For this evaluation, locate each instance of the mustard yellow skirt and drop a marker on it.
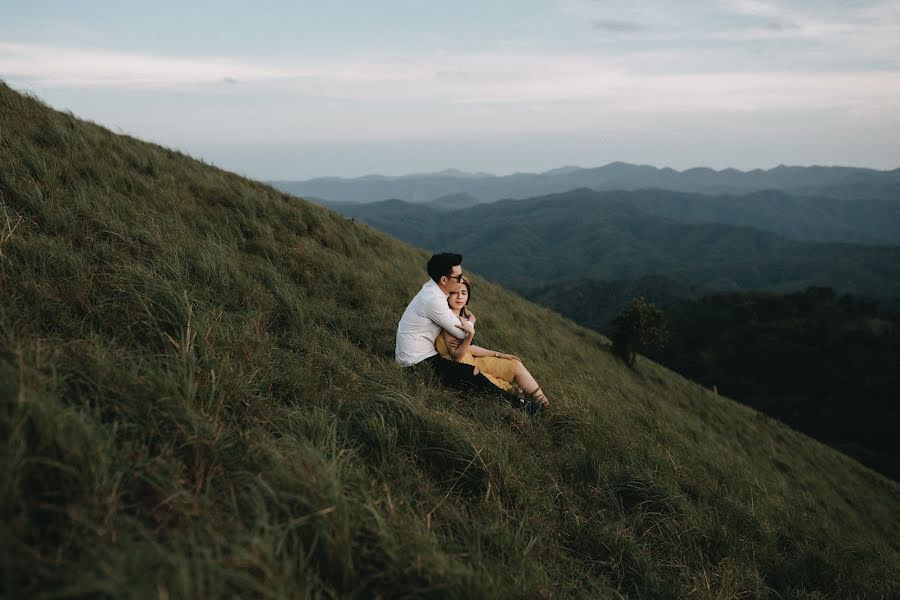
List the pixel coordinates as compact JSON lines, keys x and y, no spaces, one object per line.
{"x":500,"y":371}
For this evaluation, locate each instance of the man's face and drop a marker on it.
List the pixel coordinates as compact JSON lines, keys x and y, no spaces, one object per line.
{"x":452,"y":283}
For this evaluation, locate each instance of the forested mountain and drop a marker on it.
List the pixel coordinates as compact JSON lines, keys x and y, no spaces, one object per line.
{"x":604,"y":235}
{"x":826,"y":364}
{"x":595,"y":302}
{"x":836,"y":182}
{"x":805,"y":218}
{"x":809,"y":218}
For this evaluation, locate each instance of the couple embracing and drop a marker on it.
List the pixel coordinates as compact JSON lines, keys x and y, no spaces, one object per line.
{"x":437,"y":328}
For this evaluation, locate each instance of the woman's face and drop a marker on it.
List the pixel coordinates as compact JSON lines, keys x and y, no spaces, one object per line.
{"x":457,"y":300}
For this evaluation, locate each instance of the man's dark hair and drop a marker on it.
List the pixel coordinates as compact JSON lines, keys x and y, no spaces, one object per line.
{"x":442,"y":264}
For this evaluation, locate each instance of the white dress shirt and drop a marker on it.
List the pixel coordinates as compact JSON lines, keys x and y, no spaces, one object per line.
{"x":421,"y":323}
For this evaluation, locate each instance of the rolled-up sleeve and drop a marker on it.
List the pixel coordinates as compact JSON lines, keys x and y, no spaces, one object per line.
{"x":437,"y":310}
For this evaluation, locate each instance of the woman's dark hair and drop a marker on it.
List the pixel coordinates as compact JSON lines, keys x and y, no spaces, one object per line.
{"x":441,"y":265}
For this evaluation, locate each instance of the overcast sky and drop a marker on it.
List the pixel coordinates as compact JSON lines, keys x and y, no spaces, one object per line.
{"x":286,"y":90}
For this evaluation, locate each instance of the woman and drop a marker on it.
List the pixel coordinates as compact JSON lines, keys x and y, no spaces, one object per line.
{"x":501,"y":369}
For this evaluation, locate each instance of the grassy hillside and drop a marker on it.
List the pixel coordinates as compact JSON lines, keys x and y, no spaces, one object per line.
{"x":198,"y":399}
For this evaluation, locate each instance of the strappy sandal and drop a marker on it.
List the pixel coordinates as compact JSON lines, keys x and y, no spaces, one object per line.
{"x":537,"y":400}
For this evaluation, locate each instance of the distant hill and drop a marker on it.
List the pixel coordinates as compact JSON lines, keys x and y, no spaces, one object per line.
{"x":807,"y":218}
{"x":604,"y":235}
{"x":454,"y":201}
{"x":198,"y":399}
{"x":594,"y":302}
{"x":836,"y":182}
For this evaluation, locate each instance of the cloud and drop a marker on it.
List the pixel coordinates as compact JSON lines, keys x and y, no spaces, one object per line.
{"x":773,"y":16}
{"x":837,"y":31}
{"x":618,"y":26}
{"x":776,"y":25}
{"x":79,"y":67}
{"x":846,"y":27}
{"x":440,"y":92}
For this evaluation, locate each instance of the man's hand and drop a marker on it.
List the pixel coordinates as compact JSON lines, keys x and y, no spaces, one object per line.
{"x":467,"y":326}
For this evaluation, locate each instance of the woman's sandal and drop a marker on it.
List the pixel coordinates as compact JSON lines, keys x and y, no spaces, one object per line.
{"x":537,"y":400}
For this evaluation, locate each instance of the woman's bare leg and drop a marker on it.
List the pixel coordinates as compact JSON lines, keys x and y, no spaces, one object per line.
{"x":529,"y":385}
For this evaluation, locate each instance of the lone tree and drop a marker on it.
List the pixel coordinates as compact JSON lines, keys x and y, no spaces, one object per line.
{"x":638,"y":327}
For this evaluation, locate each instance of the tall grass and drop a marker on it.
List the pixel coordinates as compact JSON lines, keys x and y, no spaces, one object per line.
{"x":198,"y":398}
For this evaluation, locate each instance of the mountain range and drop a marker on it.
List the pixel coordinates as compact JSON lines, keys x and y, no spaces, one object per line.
{"x":834,"y":182}
{"x":608,"y":236}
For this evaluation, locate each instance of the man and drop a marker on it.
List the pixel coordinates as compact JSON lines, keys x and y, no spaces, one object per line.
{"x":427,"y":314}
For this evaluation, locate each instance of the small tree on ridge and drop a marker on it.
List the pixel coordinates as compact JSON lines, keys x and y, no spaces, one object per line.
{"x":638,"y":327}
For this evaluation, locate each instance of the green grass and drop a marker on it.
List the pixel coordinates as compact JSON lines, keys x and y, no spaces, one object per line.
{"x":198,"y":398}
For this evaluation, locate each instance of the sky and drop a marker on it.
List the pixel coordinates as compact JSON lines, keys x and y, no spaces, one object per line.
{"x":296,"y":90}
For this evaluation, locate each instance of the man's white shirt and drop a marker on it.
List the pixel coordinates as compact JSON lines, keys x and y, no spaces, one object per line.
{"x":421,"y":323}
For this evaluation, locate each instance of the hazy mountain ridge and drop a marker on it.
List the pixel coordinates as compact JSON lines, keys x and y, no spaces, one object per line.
{"x":604,"y":235}
{"x":837,"y":182}
{"x":804,"y":218}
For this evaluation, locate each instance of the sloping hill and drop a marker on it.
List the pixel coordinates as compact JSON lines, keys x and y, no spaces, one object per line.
{"x":198,"y":399}
{"x":604,"y":235}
